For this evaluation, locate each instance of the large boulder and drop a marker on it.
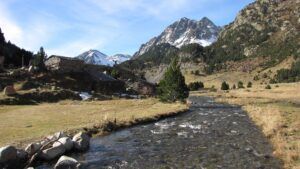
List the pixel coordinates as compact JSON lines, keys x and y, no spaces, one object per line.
{"x":33,"y":148}
{"x":66,"y":162}
{"x":22,"y":155}
{"x":53,"y":137}
{"x":9,"y":90}
{"x":7,"y":154}
{"x":52,"y":153}
{"x":81,"y":141}
{"x":66,"y":142}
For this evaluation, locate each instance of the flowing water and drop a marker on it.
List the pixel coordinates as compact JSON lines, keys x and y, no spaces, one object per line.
{"x":210,"y":135}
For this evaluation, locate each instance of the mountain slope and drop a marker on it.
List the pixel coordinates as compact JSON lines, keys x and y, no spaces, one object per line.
{"x":97,"y":58}
{"x":268,"y":29}
{"x":13,"y":55}
{"x":183,"y":32}
{"x":264,"y":34}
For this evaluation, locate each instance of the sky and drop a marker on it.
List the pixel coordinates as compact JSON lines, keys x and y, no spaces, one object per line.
{"x":70,"y":27}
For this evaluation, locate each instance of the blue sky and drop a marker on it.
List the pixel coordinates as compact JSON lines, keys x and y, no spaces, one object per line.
{"x":70,"y":27}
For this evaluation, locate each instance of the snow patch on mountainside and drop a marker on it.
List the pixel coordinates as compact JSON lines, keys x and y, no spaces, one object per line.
{"x":97,"y":58}
{"x":183,"y":32}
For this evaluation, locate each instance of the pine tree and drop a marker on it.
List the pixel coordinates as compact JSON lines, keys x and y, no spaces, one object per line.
{"x":2,"y":43}
{"x":2,"y":39}
{"x":249,"y":85}
{"x":224,"y":86}
{"x":240,"y":85}
{"x":172,"y":87}
{"x":39,"y":59}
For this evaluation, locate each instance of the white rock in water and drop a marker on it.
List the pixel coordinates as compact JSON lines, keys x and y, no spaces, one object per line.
{"x":66,"y":162}
{"x":7,"y":153}
{"x":52,"y":153}
{"x":66,"y":142}
{"x":81,"y":141}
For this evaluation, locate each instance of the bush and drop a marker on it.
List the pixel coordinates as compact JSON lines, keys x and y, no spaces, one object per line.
{"x":172,"y":87}
{"x":240,"y":85}
{"x":224,"y":86}
{"x":249,"y":85}
{"x":268,"y":87}
{"x":195,"y":86}
{"x":115,"y":73}
{"x":256,"y":78}
{"x":233,"y":87}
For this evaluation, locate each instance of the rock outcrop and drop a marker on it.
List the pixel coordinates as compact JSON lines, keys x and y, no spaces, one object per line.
{"x":66,"y":162}
{"x":81,"y":141}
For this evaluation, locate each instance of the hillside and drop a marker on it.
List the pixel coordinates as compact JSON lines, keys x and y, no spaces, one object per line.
{"x":13,"y":55}
{"x":268,"y":29}
{"x":264,"y":34}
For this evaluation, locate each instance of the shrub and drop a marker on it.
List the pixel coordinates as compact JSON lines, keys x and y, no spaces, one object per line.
{"x":256,"y":78}
{"x":240,"y":85}
{"x":249,"y":85}
{"x":115,"y":73}
{"x":195,"y":86}
{"x":233,"y":87}
{"x":224,"y":86}
{"x":172,"y":87}
{"x":268,"y":87}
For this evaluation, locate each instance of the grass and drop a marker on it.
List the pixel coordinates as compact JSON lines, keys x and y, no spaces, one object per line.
{"x":21,"y":124}
{"x":276,"y":112}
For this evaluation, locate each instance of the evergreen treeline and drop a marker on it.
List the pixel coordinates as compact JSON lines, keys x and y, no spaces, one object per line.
{"x":14,"y":56}
{"x":288,"y":75}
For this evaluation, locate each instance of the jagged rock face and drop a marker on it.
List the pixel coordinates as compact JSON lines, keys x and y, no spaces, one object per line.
{"x":267,"y":28}
{"x":183,"y":32}
{"x":93,"y":57}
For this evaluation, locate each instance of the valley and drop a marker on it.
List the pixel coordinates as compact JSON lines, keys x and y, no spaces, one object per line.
{"x":196,"y":95}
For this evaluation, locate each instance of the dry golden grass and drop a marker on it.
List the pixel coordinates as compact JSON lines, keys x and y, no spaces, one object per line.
{"x":276,"y":112}
{"x":21,"y":123}
{"x":232,"y":77}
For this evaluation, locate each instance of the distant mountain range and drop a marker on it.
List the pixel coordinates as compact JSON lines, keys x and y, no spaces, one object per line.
{"x":97,"y":58}
{"x":183,"y":32}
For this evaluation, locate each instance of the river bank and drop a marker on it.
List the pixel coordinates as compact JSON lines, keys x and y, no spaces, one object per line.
{"x":209,"y":135}
{"x":275,"y":111}
{"x":28,"y":123}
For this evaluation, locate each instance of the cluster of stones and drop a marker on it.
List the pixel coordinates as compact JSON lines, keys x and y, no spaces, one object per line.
{"x":51,"y":148}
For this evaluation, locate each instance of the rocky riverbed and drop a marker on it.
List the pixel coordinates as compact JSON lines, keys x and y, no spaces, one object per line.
{"x":210,"y":135}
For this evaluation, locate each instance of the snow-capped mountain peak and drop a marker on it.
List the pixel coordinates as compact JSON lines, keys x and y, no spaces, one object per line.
{"x":185,"y":31}
{"x":98,"y":58}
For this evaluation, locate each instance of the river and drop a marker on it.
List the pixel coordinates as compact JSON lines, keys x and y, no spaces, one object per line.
{"x":211,"y":135}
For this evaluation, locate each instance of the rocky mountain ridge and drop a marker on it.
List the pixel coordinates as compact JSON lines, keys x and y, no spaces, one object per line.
{"x":98,"y":58}
{"x":183,"y":32}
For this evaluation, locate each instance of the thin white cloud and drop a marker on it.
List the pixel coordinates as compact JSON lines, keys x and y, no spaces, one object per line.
{"x":79,"y":25}
{"x":74,"y":48}
{"x":11,"y":29}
